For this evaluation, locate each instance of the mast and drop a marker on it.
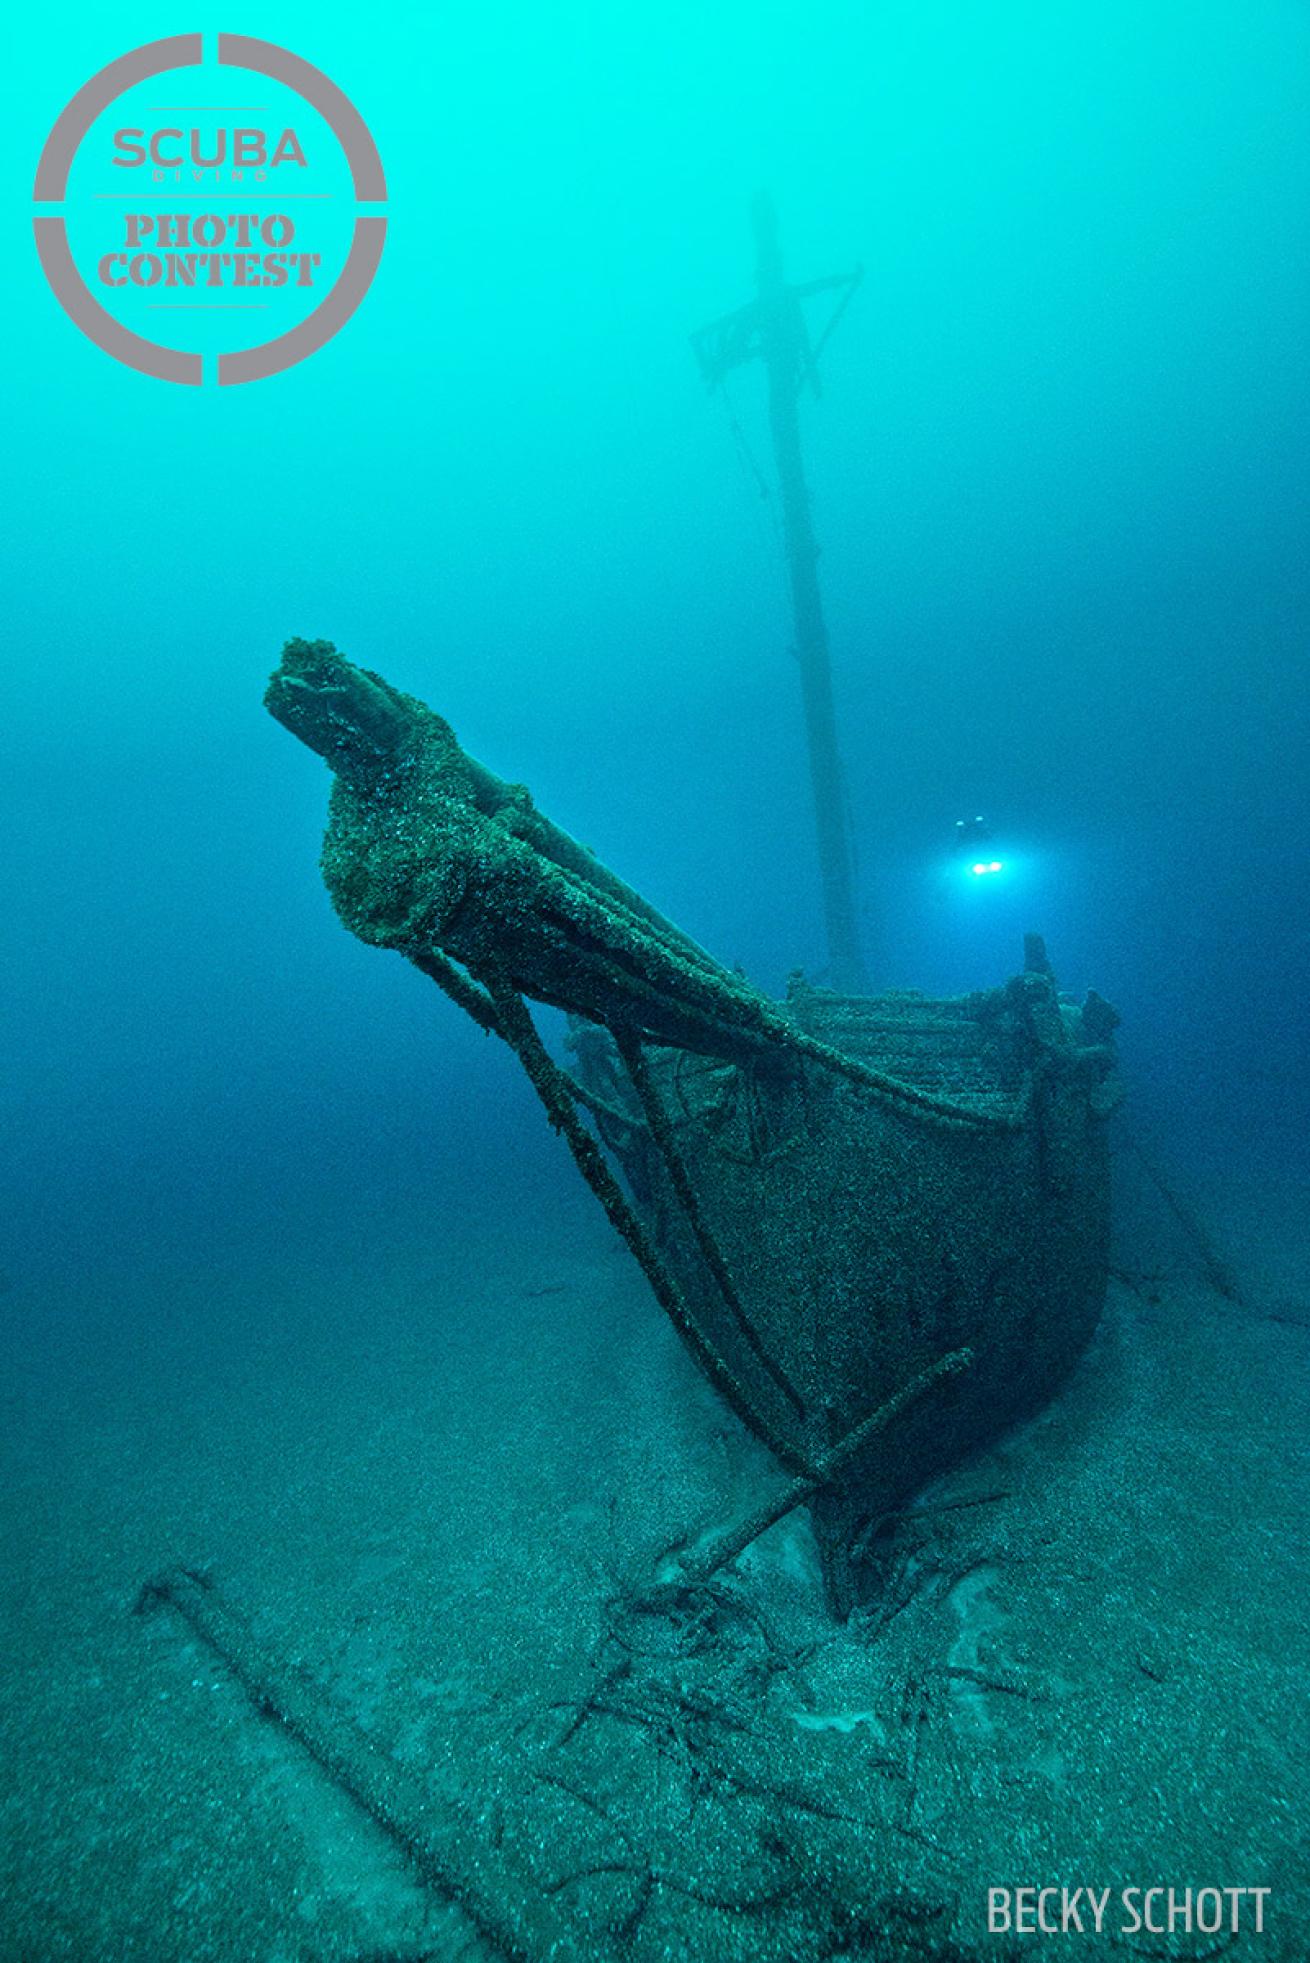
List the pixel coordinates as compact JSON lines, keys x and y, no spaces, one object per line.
{"x":774,"y":328}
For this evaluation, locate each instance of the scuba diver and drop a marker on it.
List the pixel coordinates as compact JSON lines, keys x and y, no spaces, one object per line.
{"x":971,"y":834}
{"x":972,"y":851}
{"x":973,"y":843}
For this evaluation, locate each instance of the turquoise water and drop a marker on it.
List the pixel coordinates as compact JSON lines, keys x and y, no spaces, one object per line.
{"x":1057,"y":473}
{"x":1059,"y":477}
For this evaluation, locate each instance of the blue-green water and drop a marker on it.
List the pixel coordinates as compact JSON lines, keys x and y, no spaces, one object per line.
{"x":1059,"y":473}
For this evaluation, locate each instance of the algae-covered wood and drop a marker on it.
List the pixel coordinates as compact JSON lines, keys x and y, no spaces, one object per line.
{"x":866,"y":1238}
{"x":829,"y":1195}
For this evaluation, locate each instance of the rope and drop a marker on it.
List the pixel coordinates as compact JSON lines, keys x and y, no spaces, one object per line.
{"x":474,"y":1001}
{"x":478,"y":1004}
{"x":546,"y":1078}
{"x":719,"y":1014}
{"x":662,"y":1132}
{"x":731,"y":1017}
{"x":772,"y":1032}
{"x":908,"y":1101}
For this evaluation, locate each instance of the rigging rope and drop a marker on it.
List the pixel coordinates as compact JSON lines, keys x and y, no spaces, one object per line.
{"x":515,"y":1024}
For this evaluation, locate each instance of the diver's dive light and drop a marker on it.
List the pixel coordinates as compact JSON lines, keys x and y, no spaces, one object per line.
{"x":973,"y":831}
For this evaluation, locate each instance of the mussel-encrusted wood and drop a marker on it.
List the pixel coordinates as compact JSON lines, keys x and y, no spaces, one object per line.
{"x":827,"y":1194}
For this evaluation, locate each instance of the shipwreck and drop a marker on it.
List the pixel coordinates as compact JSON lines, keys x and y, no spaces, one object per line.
{"x":879,"y":1222}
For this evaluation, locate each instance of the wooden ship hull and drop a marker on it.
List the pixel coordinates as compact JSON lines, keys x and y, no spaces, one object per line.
{"x":841,"y":1240}
{"x":880,"y":1223}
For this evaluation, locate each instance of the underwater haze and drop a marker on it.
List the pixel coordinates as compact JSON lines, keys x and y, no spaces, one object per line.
{"x":1058,"y":472}
{"x":1059,"y":478}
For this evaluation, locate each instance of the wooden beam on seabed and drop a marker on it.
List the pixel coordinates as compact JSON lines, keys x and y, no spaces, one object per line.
{"x":392,"y":1797}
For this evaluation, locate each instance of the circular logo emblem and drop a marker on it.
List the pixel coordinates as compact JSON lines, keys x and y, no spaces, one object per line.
{"x":210,"y":213}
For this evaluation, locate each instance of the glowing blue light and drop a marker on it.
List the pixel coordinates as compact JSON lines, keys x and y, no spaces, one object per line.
{"x":986,"y":865}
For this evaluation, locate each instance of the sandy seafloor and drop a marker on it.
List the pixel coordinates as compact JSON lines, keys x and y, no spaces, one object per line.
{"x":421,"y":1471}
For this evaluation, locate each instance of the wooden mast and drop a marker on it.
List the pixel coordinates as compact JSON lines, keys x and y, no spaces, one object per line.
{"x":774,"y":328}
